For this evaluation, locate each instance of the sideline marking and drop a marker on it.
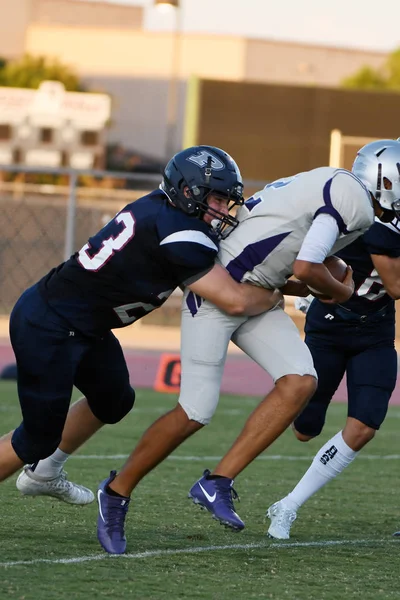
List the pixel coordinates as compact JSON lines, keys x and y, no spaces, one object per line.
{"x":195,"y":550}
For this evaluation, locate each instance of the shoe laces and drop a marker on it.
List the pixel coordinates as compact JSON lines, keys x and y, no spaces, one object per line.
{"x":228,"y":493}
{"x":285,"y":516}
{"x":116,"y":514}
{"x":61,"y":481}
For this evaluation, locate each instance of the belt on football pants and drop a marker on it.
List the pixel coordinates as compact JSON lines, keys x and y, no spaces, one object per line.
{"x":348,"y":315}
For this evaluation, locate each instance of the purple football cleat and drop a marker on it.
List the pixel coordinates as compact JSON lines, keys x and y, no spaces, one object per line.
{"x":111,"y":519}
{"x":216,"y":495}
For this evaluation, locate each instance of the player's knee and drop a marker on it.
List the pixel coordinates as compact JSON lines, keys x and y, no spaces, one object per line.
{"x":112,"y":410}
{"x":301,"y":436}
{"x":299,"y":388}
{"x":196,"y":414}
{"x":32,"y":448}
{"x":307,"y":386}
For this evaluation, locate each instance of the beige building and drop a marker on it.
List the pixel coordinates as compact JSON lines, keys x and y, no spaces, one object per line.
{"x":110,"y":49}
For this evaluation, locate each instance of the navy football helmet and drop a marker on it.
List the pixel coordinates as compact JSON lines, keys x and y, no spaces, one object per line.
{"x":203,"y":170}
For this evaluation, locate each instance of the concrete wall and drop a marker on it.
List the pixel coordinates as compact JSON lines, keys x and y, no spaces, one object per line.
{"x":86,"y":14}
{"x":129,"y":52}
{"x":284,"y":62}
{"x":15,"y":17}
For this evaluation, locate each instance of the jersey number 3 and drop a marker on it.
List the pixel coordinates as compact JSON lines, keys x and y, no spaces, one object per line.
{"x":127,"y":313}
{"x":110,"y":245}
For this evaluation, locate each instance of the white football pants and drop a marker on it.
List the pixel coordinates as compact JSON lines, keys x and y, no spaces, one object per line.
{"x":271,"y":339}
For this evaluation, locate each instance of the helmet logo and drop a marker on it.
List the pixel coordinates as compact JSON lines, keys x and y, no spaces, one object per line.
{"x":202,"y":158}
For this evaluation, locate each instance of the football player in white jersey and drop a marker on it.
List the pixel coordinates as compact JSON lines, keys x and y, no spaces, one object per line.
{"x":288,"y":228}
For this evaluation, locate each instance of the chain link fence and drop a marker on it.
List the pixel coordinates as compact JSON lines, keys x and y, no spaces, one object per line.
{"x":44,"y":224}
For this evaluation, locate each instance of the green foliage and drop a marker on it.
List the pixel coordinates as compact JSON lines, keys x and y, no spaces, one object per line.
{"x":385,"y":78}
{"x":29,"y":72}
{"x":393,"y":69}
{"x":366,"y":78}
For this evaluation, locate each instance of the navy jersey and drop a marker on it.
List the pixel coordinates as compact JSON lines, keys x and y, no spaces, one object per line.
{"x":369,"y":294}
{"x":131,"y":266}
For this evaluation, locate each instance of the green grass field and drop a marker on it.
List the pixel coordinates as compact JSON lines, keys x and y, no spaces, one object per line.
{"x":341,"y":547}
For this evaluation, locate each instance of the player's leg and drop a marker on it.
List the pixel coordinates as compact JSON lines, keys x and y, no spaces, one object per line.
{"x":373,"y":387}
{"x":273,"y":341}
{"x":10,"y":462}
{"x":80,"y":425}
{"x":46,"y":359}
{"x":371,"y":379}
{"x":103,"y":377}
{"x":330,"y":364}
{"x":204,"y":343}
{"x":51,"y":479}
{"x":369,"y":391}
{"x":96,"y":376}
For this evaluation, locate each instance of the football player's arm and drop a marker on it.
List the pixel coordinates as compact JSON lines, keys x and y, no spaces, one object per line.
{"x":234,"y":298}
{"x":309,"y":267}
{"x":295,"y":287}
{"x":389,"y":271}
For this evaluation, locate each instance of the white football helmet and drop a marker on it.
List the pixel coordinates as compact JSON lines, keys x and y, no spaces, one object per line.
{"x":378,"y":166}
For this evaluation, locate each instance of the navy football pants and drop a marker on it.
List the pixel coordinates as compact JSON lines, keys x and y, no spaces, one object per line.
{"x":365,"y":352}
{"x":51,"y":359}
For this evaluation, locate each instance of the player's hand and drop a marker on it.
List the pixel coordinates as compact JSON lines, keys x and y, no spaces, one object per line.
{"x":348,"y":280}
{"x":349,"y":283}
{"x":277,"y":299}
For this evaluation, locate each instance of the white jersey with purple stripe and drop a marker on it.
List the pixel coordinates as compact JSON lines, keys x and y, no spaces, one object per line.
{"x":274,"y":222}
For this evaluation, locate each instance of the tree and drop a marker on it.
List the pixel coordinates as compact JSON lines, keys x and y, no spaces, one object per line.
{"x":385,"y":78}
{"x":393,"y":68}
{"x":29,"y":72}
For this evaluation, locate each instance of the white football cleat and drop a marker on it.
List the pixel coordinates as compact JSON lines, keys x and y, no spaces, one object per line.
{"x":30,"y":484}
{"x":281,"y":521}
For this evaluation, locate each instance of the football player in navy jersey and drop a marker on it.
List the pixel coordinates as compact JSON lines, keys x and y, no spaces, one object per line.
{"x":355,"y":338}
{"x":60,"y":328}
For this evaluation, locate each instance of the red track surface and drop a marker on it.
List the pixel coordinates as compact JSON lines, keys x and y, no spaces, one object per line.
{"x":242,"y":376}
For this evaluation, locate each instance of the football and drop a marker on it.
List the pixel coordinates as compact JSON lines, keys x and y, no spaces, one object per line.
{"x":337,"y":268}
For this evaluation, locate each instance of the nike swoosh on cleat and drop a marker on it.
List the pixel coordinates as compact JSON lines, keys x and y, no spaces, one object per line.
{"x":207,"y":495}
{"x":99,"y":493}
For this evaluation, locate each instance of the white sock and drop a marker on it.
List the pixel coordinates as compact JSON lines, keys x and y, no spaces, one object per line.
{"x":330,"y":460}
{"x":52,"y":466}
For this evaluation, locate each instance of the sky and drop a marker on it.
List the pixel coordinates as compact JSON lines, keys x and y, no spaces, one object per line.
{"x":365,"y":24}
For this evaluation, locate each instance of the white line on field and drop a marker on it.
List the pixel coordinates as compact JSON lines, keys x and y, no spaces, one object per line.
{"x":231,"y":412}
{"x":210,"y":458}
{"x":196,"y":550}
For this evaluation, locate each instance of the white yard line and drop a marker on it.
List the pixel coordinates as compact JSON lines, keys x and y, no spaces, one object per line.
{"x":229,"y":412}
{"x":210,"y":458}
{"x":196,"y":550}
